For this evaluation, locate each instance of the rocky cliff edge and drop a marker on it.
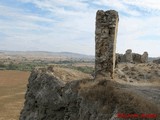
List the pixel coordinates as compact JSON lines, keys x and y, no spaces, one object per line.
{"x":50,"y":97}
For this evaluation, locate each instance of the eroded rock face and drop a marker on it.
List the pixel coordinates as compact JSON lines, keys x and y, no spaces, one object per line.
{"x":44,"y":92}
{"x":50,"y":98}
{"x":106,"y":33}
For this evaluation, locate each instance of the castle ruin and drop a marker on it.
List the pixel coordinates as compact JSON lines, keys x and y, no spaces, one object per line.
{"x":130,"y":57}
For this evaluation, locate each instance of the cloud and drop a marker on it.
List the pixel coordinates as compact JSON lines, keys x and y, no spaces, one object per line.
{"x":119,"y":6}
{"x":62,"y":25}
{"x":152,"y":6}
{"x":25,"y":31}
{"x":138,"y":35}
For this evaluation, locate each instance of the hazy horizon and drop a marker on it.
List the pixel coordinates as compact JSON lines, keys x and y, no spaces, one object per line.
{"x":65,"y":52}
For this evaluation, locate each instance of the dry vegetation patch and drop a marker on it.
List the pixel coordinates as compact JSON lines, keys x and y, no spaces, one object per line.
{"x":67,"y":74}
{"x":110,"y":96}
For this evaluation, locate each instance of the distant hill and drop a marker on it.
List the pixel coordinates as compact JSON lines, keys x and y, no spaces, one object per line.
{"x":153,"y":58}
{"x":46,"y":54}
{"x":39,"y":54}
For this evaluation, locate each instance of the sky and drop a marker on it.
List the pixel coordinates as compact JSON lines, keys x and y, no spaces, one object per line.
{"x":69,"y":25}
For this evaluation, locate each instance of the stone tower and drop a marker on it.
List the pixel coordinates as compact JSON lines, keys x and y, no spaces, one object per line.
{"x":128,"y":56}
{"x":105,"y":38}
{"x":144,"y":57}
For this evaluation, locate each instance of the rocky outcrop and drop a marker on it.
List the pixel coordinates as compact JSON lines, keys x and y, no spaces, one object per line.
{"x":106,"y":33}
{"x":48,"y":98}
{"x":51,"y":98}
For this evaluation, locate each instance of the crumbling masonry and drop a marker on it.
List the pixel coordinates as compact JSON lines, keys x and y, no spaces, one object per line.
{"x":130,"y":57}
{"x":105,"y":38}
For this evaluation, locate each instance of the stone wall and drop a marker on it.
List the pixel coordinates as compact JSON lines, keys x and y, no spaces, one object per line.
{"x":105,"y":38}
{"x":132,"y":57}
{"x":136,"y":57}
{"x":144,"y":57}
{"x":128,"y":56}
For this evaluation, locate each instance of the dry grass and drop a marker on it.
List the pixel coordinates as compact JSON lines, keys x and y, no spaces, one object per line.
{"x":110,"y":96}
{"x":12,"y":90}
{"x":67,"y":74}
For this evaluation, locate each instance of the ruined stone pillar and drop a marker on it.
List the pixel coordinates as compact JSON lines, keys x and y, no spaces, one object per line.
{"x":144,"y":57}
{"x":105,"y":38}
{"x":128,"y":56}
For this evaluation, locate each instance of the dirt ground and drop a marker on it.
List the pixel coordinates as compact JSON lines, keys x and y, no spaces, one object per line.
{"x":12,"y":90}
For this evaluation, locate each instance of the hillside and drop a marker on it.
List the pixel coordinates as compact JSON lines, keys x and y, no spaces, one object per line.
{"x":44,"y":55}
{"x":49,"y":96}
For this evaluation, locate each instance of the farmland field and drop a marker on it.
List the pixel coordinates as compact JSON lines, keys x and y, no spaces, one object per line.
{"x":12,"y":89}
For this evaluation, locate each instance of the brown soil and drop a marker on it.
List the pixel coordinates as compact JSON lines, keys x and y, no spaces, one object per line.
{"x":12,"y":90}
